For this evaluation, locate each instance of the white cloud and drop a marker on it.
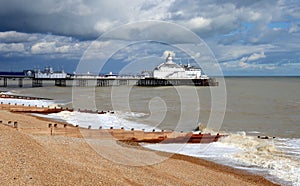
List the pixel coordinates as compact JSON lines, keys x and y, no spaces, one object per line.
{"x":159,"y":10}
{"x":13,"y":36}
{"x":167,"y":53}
{"x":43,"y":48}
{"x":256,"y":56}
{"x":198,"y":23}
{"x":238,"y":51}
{"x":295,"y":27}
{"x":243,"y":64}
{"x":103,"y":26}
{"x":57,"y":45}
{"x":12,"y":47}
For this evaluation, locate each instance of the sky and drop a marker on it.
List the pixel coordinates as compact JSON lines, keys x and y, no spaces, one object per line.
{"x":246,"y":37}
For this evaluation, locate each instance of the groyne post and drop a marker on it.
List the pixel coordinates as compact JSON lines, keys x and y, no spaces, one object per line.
{"x":15,"y":124}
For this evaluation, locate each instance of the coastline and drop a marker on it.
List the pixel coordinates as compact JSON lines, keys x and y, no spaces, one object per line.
{"x":30,"y":155}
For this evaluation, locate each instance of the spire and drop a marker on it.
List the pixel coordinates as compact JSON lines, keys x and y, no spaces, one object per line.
{"x":188,"y":63}
{"x":169,"y":58}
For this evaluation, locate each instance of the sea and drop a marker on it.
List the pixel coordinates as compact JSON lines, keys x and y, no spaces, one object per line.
{"x":254,"y":107}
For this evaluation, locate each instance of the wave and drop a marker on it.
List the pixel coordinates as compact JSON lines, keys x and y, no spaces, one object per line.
{"x":25,"y":102}
{"x":269,"y":155}
{"x":279,"y":158}
{"x":105,"y":121}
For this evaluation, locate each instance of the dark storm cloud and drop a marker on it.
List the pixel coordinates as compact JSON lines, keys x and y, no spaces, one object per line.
{"x":43,"y":17}
{"x":235,"y":30}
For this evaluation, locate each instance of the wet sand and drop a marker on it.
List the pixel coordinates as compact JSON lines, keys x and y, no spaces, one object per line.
{"x":30,"y":155}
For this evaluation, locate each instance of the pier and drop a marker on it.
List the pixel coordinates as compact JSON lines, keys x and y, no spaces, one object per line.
{"x":62,"y":79}
{"x":177,"y":82}
{"x":4,"y":76}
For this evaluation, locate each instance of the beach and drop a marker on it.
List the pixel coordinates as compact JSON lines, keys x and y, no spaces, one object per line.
{"x":30,"y":155}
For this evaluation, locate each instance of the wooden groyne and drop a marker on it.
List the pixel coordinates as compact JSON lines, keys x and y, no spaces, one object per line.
{"x":46,"y":110}
{"x":12,"y":96}
{"x":121,"y":134}
{"x":128,"y":136}
{"x":30,"y":108}
{"x":142,"y":136}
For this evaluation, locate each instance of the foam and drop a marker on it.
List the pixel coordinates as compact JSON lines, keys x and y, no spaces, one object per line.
{"x":116,"y":120}
{"x":279,"y":157}
{"x":247,"y":152}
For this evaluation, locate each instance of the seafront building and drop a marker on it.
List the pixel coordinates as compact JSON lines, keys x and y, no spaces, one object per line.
{"x":172,"y":70}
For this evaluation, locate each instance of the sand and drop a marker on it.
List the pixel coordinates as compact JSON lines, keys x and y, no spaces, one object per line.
{"x":31,"y":156}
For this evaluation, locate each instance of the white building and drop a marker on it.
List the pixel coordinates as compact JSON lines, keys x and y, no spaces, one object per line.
{"x":48,"y":73}
{"x":171,"y":70}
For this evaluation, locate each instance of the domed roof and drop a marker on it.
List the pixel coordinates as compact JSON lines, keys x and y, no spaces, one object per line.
{"x":168,"y":64}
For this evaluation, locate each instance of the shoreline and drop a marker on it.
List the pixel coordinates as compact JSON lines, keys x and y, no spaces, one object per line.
{"x":179,"y":169}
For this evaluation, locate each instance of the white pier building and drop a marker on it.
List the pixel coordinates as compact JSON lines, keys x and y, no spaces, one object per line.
{"x":171,"y":70}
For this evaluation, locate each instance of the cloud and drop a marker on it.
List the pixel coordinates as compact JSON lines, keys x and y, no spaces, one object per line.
{"x":244,"y":62}
{"x":103,"y":26}
{"x":12,"y":47}
{"x":16,"y":37}
{"x":43,"y":48}
{"x":242,"y":65}
{"x":167,"y":53}
{"x":238,"y":32}
{"x":294,"y":28}
{"x":198,"y":23}
{"x":256,"y":56}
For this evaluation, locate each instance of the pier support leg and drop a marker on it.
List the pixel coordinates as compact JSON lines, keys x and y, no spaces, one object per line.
{"x":37,"y":83}
{"x":82,"y":83}
{"x":5,"y":82}
{"x":60,"y":82}
{"x":20,"y":82}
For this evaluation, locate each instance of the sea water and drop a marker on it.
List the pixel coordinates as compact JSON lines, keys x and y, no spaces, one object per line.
{"x":256,"y":106}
